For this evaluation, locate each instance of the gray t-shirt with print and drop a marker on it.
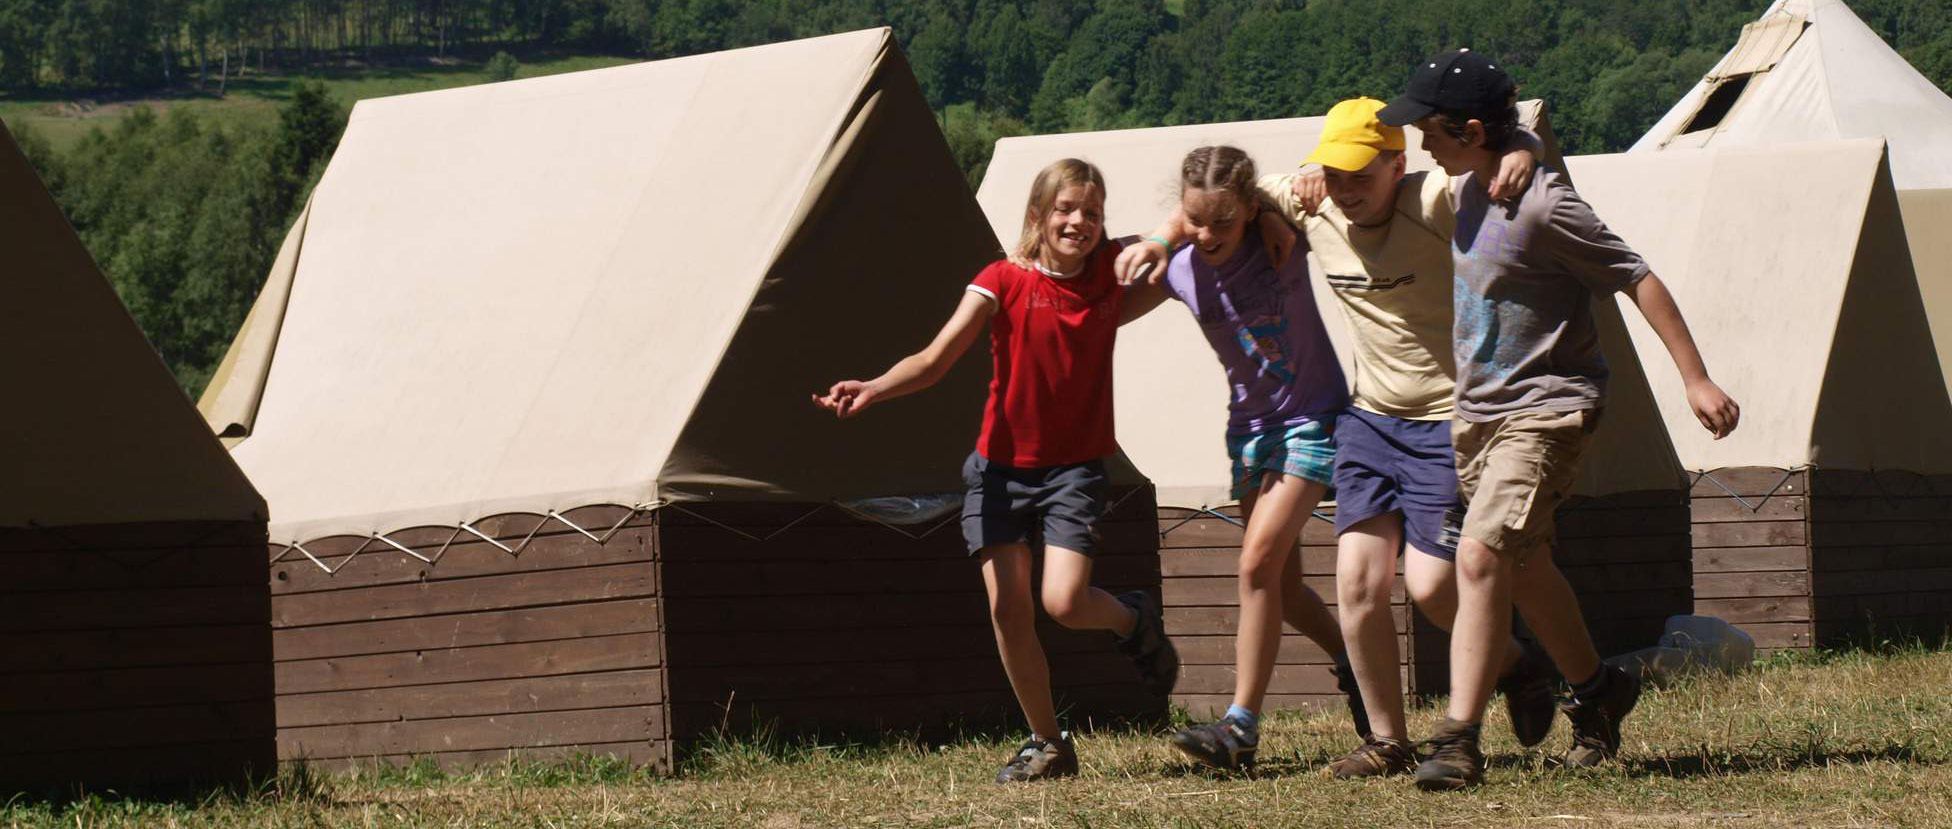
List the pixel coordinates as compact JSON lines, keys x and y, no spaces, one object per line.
{"x":1527,"y":275}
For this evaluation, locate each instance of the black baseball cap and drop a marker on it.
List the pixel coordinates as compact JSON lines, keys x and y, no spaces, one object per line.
{"x":1456,"y":81}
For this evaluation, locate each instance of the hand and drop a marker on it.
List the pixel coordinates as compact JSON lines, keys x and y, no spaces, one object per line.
{"x":1514,"y":174}
{"x":1141,"y":260}
{"x":1717,"y":411}
{"x":1278,"y":236}
{"x":1311,"y":189}
{"x":847,"y":398}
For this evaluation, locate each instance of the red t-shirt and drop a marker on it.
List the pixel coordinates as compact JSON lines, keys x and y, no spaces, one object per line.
{"x":1051,"y":340}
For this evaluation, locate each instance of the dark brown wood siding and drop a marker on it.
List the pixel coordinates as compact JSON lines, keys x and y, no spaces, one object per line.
{"x":805,"y":618}
{"x":136,"y":653}
{"x":1199,"y":558}
{"x":478,"y":656}
{"x":1880,"y":555}
{"x":1752,"y":555}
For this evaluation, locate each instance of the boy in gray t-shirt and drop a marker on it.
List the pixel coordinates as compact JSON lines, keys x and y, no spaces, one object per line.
{"x":1531,"y":383}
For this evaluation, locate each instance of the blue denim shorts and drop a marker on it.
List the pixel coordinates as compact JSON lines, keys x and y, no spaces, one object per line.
{"x":1388,"y":464}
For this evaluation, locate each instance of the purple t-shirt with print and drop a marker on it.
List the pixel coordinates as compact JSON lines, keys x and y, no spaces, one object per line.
{"x":1263,"y":325}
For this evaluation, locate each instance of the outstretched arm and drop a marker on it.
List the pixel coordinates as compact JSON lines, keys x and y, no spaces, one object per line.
{"x":1717,"y":411}
{"x":917,"y":371}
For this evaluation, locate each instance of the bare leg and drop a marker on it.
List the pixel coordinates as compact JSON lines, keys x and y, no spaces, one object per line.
{"x":1013,"y":614}
{"x":1432,"y":583}
{"x":1071,"y":600}
{"x":1274,"y":523}
{"x":1365,"y":566}
{"x":1552,"y":612}
{"x":1482,"y":627}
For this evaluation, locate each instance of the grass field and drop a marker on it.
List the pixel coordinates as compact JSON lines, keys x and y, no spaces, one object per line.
{"x":253,"y":99}
{"x":1846,"y":739}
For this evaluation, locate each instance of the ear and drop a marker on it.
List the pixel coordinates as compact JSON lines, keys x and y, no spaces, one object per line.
{"x":1474,"y":133}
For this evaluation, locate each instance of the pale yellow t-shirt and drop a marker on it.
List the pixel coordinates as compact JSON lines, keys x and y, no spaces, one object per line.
{"x":1394,"y":283}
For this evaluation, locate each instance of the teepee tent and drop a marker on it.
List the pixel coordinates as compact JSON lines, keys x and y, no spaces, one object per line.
{"x":1171,"y":400}
{"x":137,"y":649}
{"x":1810,"y":70}
{"x":1825,"y":510}
{"x":530,"y":408}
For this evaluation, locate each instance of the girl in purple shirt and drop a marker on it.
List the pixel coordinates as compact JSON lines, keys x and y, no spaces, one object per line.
{"x":1287,"y":388}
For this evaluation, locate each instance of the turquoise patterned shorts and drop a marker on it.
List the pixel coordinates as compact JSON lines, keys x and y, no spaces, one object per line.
{"x":1306,"y":451}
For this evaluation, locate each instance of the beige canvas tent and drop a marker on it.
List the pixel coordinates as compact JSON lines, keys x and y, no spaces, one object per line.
{"x":129,"y":542}
{"x":1810,"y":70}
{"x":540,"y":379}
{"x":1824,"y":510}
{"x":1171,"y":400}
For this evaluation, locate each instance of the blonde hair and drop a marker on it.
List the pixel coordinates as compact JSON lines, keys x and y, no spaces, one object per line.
{"x":1050,"y":181}
{"x":1221,"y":168}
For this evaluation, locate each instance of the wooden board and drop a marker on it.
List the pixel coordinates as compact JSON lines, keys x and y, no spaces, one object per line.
{"x":128,"y":647}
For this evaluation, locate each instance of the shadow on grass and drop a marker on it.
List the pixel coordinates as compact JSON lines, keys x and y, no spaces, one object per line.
{"x":1718,"y":763}
{"x":291,"y":783}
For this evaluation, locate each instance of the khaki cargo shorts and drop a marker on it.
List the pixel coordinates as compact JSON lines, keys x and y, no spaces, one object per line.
{"x":1513,"y":472}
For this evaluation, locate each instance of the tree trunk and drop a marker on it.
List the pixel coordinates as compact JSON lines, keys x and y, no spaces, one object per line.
{"x":223,"y":80}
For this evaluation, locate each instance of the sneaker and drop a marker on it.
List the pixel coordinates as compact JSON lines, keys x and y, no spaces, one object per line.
{"x":1345,"y":681}
{"x":1528,"y":695}
{"x":1041,"y":759}
{"x":1453,"y":761}
{"x":1596,"y":722}
{"x":1223,"y":744}
{"x":1376,"y":757}
{"x":1148,"y":647}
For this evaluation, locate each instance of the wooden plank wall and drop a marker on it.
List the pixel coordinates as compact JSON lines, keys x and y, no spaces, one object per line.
{"x":1626,"y":556}
{"x":1199,"y":554}
{"x":1752,"y":555}
{"x":477,"y":657}
{"x":135,"y":654}
{"x":1880,"y":555}
{"x":829,"y":624}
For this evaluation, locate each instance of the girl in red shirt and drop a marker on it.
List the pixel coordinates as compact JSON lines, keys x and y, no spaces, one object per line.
{"x":1038,"y":472}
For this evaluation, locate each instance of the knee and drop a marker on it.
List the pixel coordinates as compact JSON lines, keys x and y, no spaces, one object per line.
{"x":1010,"y":611}
{"x":1363,"y":588}
{"x":1477,"y":563}
{"x":1066,"y":607}
{"x":1262,"y":564}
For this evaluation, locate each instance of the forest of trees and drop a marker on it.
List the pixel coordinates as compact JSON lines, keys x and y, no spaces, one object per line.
{"x":185,"y":216}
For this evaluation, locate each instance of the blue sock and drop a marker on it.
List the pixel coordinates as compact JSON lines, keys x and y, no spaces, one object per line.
{"x":1247,"y":719}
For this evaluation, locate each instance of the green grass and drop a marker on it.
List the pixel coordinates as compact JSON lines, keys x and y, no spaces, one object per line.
{"x":1850,"y":739}
{"x":253,"y":99}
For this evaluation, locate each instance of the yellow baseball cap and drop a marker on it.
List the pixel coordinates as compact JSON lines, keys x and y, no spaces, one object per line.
{"x":1353,"y":137}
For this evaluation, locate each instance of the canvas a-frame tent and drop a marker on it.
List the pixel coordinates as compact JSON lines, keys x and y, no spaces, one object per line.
{"x":135,"y":623}
{"x":1624,"y":542}
{"x":1823,"y":516}
{"x":535,"y":427}
{"x":1810,"y":70}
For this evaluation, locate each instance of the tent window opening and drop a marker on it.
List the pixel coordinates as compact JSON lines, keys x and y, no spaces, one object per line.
{"x":1719,"y":102}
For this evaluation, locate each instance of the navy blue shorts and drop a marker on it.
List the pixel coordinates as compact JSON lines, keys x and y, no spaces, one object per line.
{"x":1057,"y":505}
{"x":1387,"y":464}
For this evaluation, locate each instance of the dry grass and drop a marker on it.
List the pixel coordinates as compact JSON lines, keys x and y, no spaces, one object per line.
{"x":1839,"y":740}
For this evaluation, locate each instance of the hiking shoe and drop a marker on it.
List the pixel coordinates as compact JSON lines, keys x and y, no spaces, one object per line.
{"x":1596,"y":722}
{"x":1041,"y":759}
{"x":1453,"y":761}
{"x":1223,"y":744}
{"x":1148,"y":647}
{"x":1528,"y":695}
{"x":1345,"y":681}
{"x":1376,"y":757}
